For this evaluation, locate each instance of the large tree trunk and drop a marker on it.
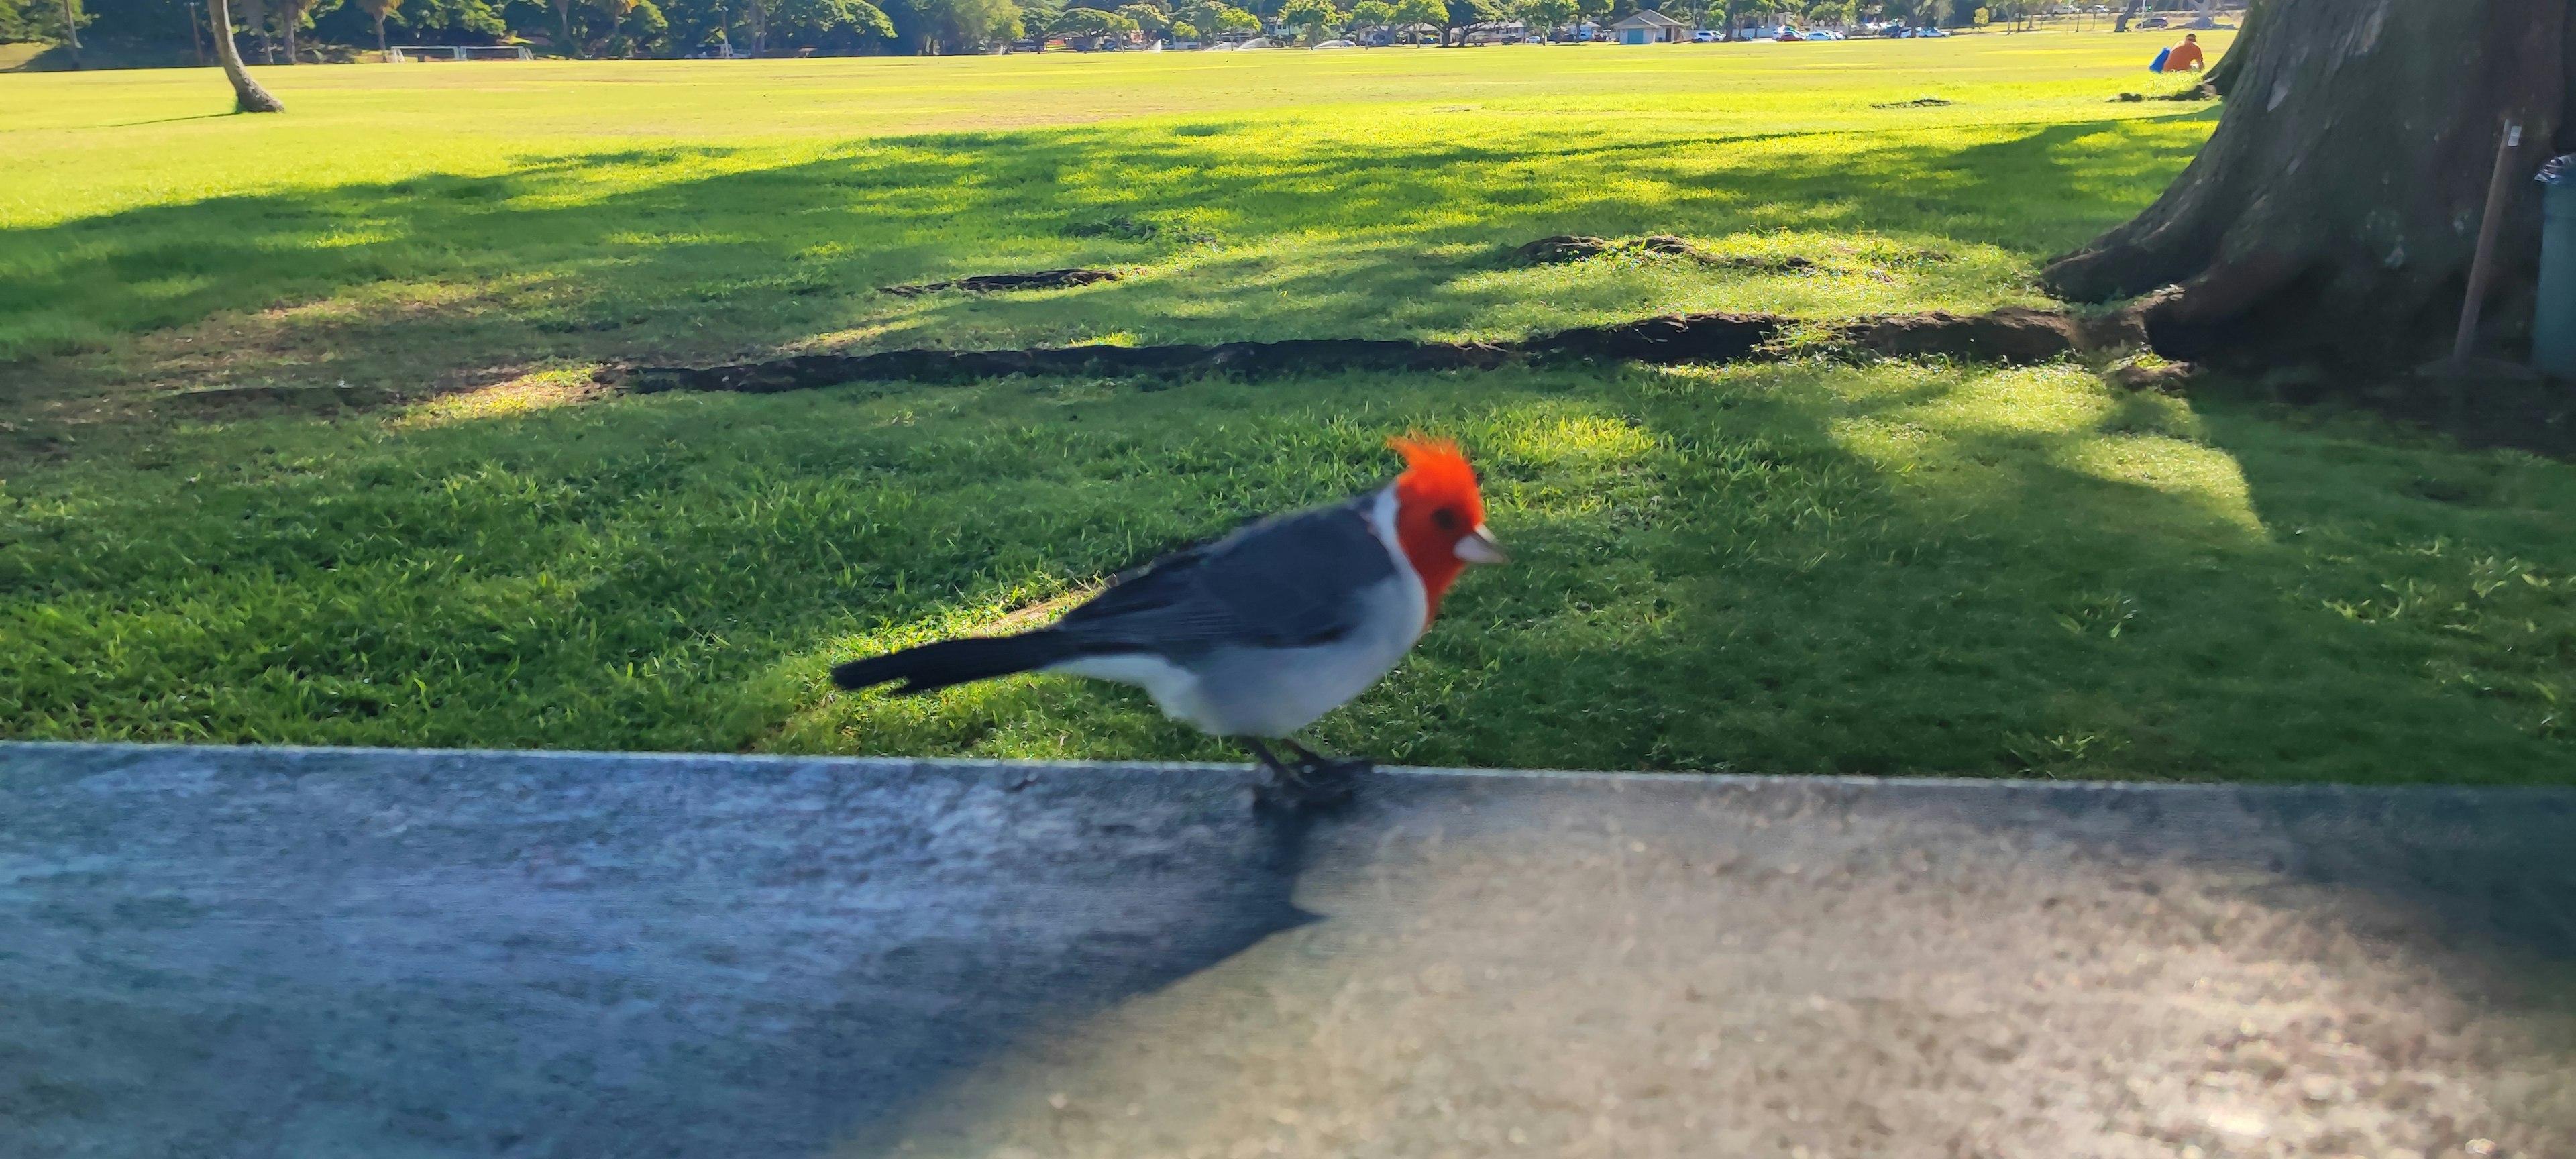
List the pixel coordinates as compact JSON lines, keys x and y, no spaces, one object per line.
{"x":2337,"y":206}
{"x":248,"y":97}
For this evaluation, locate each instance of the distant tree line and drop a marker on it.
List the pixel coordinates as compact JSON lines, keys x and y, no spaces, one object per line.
{"x":304,"y":31}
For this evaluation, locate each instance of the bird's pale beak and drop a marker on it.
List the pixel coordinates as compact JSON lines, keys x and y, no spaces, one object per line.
{"x":1479,"y":547}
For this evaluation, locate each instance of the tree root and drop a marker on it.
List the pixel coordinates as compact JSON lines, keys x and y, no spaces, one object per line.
{"x":2012,"y":334}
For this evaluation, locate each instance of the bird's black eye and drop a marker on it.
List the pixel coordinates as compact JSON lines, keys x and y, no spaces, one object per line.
{"x":1447,"y":518}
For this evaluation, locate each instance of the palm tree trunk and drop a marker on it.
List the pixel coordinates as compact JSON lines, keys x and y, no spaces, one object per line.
{"x":248,"y":97}
{"x":563,"y":12}
{"x":71,"y":33}
{"x":380,"y":34}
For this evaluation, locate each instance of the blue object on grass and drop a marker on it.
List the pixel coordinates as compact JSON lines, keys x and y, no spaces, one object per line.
{"x":2553,"y":322}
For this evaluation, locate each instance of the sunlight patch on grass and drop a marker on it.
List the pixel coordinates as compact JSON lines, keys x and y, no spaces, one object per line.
{"x":1584,"y":441}
{"x":526,"y":394}
{"x":2176,"y":467}
{"x":2060,"y":399}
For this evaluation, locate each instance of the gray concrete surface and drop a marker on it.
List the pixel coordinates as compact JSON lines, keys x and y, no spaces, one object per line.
{"x":272,"y":952}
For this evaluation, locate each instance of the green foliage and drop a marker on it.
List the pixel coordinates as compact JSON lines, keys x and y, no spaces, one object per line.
{"x":799,"y":22}
{"x":953,"y":26}
{"x":1091,"y":22}
{"x":30,"y":20}
{"x":1411,"y":12}
{"x":476,"y":16}
{"x":1372,"y":14}
{"x":1467,"y":13}
{"x":1897,"y":567}
{"x":379,"y":9}
{"x":1310,"y":19}
{"x":1152,"y":19}
{"x":1209,"y":19}
{"x":1308,"y":13}
{"x":1547,"y":15}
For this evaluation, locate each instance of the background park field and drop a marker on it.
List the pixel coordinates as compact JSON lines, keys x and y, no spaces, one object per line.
{"x":299,"y":442}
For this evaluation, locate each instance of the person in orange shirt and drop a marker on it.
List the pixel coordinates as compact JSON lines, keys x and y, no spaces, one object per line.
{"x":2186,"y":55}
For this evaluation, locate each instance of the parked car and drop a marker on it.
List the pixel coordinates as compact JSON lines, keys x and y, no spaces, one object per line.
{"x":1707,"y":36}
{"x":1788,"y":34}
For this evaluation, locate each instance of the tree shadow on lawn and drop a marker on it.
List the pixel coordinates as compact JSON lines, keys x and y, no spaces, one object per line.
{"x":1801,"y":568}
{"x":1995,"y":599}
{"x":410,"y":285}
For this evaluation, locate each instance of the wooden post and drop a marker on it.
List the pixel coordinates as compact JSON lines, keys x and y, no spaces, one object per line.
{"x":2482,"y":266}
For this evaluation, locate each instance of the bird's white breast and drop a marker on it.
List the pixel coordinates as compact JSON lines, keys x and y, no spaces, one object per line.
{"x":1249,"y":691}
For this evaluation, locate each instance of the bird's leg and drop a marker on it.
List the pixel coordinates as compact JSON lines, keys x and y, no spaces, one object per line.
{"x":1323,"y":768}
{"x":1287,"y":785}
{"x":1298,"y":786}
{"x":1280,"y":773}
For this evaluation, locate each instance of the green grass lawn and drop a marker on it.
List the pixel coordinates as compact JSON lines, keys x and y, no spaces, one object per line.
{"x":1891,"y":568}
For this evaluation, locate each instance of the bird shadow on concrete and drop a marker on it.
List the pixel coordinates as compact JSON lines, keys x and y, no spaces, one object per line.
{"x":349,"y":952}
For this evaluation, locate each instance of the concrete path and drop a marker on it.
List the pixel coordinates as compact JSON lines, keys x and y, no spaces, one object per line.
{"x":268,"y":952}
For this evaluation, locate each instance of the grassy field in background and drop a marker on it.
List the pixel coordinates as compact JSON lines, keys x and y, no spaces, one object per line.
{"x":1890,"y":568}
{"x":400,"y":217}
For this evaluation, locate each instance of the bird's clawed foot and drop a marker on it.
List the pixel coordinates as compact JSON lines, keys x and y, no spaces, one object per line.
{"x":1313,"y":781}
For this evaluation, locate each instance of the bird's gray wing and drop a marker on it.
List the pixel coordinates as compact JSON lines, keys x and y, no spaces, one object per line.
{"x":1288,"y":582}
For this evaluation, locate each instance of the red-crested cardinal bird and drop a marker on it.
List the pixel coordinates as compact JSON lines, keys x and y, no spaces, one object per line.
{"x":1257,"y":634}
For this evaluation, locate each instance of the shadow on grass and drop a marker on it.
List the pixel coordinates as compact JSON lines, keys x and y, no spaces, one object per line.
{"x":648,"y":254}
{"x":1802,"y":569}
{"x":1994,"y":601}
{"x":1897,"y":569}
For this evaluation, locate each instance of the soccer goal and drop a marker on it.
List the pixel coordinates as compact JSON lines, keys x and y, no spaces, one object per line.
{"x":412,"y":53}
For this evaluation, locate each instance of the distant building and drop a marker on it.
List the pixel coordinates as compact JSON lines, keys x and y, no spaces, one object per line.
{"x":1650,"y":27}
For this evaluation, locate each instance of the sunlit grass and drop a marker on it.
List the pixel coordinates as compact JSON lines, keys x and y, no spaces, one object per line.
{"x":1899,"y":567}
{"x":693,"y":208}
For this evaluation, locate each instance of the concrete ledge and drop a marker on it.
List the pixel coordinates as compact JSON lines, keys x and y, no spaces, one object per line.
{"x":257,"y":951}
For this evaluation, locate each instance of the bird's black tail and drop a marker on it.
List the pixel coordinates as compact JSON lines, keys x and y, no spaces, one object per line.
{"x":931,"y":667}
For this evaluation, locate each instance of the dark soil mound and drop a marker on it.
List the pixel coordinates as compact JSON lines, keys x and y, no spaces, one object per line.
{"x":1247,"y":359}
{"x":990,"y":283}
{"x":1575,"y":247}
{"x":1568,"y":247}
{"x":2011,"y":334}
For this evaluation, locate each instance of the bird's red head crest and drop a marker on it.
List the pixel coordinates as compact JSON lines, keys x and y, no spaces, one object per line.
{"x":1439,"y":515}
